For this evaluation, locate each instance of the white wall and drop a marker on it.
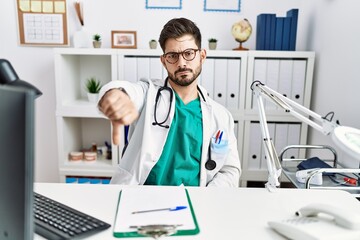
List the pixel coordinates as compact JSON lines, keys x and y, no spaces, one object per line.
{"x":325,"y":26}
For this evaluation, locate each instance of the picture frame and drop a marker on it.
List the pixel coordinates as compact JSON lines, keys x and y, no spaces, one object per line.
{"x":123,"y":39}
{"x":164,"y":4}
{"x":222,"y":5}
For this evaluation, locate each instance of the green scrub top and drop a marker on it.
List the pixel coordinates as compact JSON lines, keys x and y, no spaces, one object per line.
{"x":180,"y":160}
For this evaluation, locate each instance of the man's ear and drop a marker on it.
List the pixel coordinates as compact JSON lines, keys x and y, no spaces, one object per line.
{"x":203,"y":55}
{"x":162,"y":59}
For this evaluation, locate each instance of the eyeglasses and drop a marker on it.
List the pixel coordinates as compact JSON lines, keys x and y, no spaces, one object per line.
{"x":189,"y":55}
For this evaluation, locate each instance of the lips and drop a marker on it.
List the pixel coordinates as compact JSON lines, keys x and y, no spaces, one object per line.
{"x":183,"y":71}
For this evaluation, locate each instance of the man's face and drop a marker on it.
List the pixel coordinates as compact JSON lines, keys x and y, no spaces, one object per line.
{"x":183,"y":72}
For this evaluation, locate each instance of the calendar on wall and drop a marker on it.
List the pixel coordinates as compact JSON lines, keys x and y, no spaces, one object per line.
{"x":42,"y":22}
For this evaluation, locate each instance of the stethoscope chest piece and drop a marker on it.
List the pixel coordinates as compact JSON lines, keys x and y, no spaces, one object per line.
{"x":210,"y":164}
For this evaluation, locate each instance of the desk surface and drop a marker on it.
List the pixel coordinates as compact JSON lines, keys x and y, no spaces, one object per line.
{"x":222,"y":213}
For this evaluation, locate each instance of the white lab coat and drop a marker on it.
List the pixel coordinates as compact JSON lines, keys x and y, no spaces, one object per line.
{"x":146,"y":141}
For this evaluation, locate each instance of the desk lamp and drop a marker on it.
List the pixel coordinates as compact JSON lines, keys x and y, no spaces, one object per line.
{"x":8,"y":76}
{"x":346,"y":138}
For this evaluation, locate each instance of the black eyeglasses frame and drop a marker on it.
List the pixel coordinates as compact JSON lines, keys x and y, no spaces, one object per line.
{"x":182,"y":54}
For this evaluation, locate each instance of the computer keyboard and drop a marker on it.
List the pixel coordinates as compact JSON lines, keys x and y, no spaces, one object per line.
{"x":54,"y":220}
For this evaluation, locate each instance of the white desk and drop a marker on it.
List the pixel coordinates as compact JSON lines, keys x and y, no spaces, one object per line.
{"x":222,"y":213}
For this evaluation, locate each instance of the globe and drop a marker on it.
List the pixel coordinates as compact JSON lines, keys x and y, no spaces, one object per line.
{"x":241,"y":31}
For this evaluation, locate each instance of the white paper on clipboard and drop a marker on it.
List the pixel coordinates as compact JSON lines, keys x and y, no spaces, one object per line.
{"x":134,"y":199}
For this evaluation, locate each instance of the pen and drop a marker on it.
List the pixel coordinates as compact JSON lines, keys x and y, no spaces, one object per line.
{"x":217,"y":136}
{"x":161,"y":209}
{"x":220,"y":136}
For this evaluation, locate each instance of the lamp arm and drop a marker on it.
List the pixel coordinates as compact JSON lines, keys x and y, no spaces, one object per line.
{"x":272,"y":160}
{"x":306,"y":115}
{"x":322,"y":124}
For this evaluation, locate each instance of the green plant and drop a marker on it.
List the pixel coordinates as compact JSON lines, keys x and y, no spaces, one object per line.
{"x":93,"y":85}
{"x":212,"y":40}
{"x":97,"y":37}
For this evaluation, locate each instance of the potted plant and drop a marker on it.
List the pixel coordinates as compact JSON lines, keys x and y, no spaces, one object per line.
{"x":97,"y":41}
{"x":153,"y":44}
{"x":212,"y":43}
{"x":93,"y":86}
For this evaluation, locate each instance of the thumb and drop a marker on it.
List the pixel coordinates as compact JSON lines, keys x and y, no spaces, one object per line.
{"x":116,"y":132}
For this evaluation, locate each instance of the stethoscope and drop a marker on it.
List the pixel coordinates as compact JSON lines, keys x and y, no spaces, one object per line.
{"x":210,"y":164}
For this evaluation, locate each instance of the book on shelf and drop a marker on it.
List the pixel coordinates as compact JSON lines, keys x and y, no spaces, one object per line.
{"x":272,"y":19}
{"x":293,"y":14}
{"x":279,"y":33}
{"x":286,"y":34}
{"x":260,"y":31}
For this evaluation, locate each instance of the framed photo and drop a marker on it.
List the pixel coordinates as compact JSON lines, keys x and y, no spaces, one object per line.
{"x":222,"y":5}
{"x":123,"y":39}
{"x":163,"y":4}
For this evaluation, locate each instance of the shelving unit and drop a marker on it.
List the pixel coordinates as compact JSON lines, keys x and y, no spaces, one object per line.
{"x":79,"y":123}
{"x":227,"y":76}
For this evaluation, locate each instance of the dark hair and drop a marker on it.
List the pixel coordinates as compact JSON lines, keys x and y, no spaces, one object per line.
{"x":178,"y":27}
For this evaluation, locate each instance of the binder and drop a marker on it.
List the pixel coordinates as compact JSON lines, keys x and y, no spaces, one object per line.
{"x":286,"y":34}
{"x":207,"y":76}
{"x":285,"y":77}
{"x":156,"y":68}
{"x":255,"y":147}
{"x":263,"y":162}
{"x":293,"y":14}
{"x":260,"y":69}
{"x":145,"y":198}
{"x":130,"y":67}
{"x":281,"y":136}
{"x":294,"y":131}
{"x":270,"y":27}
{"x":143,"y":67}
{"x":260,"y":31}
{"x":233,"y":84}
{"x":272,"y":19}
{"x":279,"y":33}
{"x":272,"y":78}
{"x":298,"y":81}
{"x":220,"y":81}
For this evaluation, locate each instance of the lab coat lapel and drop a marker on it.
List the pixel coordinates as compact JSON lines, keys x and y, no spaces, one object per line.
{"x":207,"y":113}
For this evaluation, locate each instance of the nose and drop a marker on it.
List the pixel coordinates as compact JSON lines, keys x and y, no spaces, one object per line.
{"x":182,"y":61}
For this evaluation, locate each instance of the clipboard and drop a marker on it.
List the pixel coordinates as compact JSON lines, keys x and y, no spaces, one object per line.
{"x":145,"y":198}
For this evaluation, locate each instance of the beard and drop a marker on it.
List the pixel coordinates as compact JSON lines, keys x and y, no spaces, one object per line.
{"x":184,"y":76}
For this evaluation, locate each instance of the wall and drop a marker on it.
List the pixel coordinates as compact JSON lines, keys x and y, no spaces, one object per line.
{"x":335,"y":38}
{"x":335,"y":83}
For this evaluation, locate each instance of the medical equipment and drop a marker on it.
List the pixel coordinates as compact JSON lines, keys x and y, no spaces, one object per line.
{"x":210,"y":164}
{"x":158,"y":94}
{"x":347,"y":138}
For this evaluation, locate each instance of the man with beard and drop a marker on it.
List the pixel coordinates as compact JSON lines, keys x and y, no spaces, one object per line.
{"x":177,"y":135}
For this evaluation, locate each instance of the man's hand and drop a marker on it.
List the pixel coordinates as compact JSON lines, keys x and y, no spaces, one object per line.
{"x":119,"y":108}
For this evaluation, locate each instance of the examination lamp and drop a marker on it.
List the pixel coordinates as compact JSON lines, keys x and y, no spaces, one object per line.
{"x":8,"y":76}
{"x":346,"y":138}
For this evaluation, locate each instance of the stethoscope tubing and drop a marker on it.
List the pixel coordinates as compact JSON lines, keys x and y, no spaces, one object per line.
{"x":210,"y":164}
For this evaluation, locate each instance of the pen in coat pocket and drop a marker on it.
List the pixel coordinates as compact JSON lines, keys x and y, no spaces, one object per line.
{"x":218,"y":136}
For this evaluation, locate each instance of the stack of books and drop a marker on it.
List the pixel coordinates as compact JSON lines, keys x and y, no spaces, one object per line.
{"x":277,"y":33}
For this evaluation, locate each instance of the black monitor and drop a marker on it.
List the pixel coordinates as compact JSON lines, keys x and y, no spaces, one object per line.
{"x":16,"y":162}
